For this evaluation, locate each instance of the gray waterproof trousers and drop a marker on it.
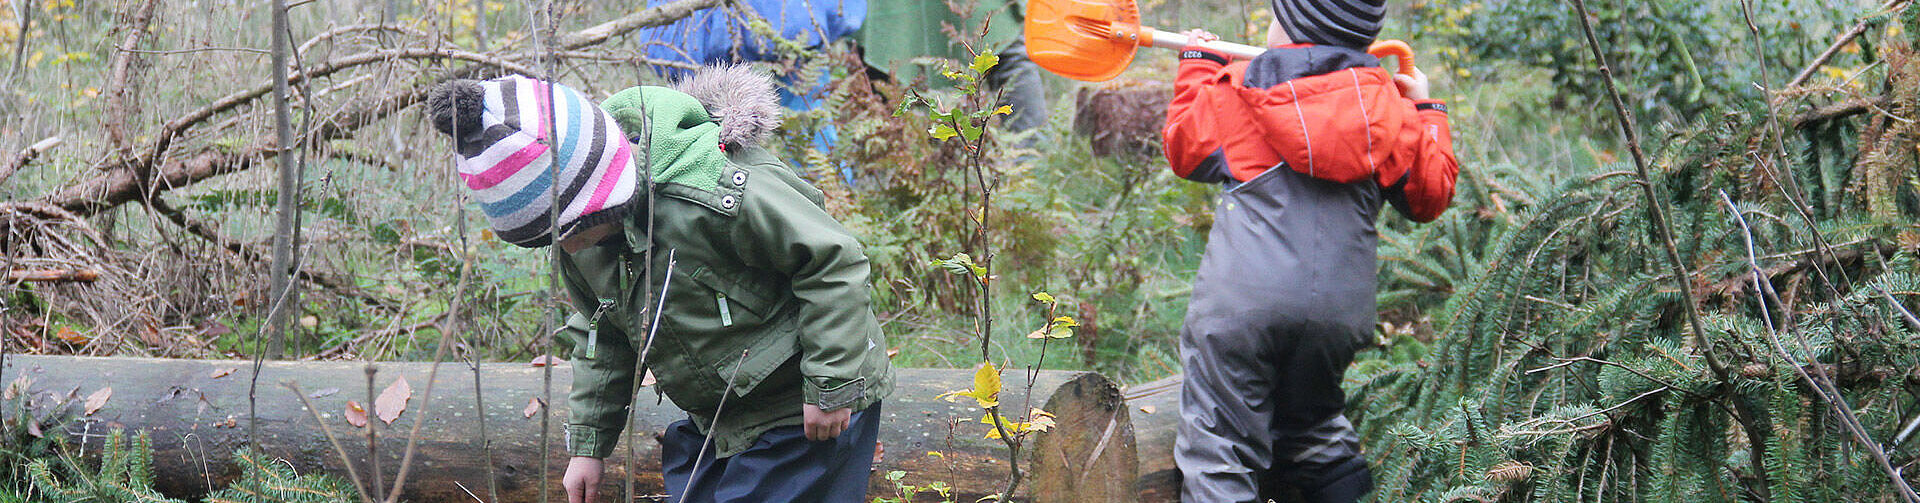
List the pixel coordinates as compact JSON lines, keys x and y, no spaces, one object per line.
{"x":1283,"y":298}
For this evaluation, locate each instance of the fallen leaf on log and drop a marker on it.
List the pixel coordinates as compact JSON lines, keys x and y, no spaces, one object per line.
{"x":533,"y":407}
{"x":16,"y":388}
{"x":97,"y":400}
{"x":219,"y":373}
{"x":356,"y":415}
{"x":71,"y":337}
{"x":393,"y":401}
{"x":1146,"y":409}
{"x":323,"y":393}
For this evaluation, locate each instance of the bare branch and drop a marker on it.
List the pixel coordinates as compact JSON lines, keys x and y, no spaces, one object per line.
{"x":53,"y":275}
{"x":119,"y":84}
{"x":1656,"y":206}
{"x":1845,"y":40}
{"x":654,"y":16}
{"x":251,"y":253}
{"x":1821,"y":383}
{"x":27,"y":156}
{"x":352,"y":474}
{"x":118,"y":186}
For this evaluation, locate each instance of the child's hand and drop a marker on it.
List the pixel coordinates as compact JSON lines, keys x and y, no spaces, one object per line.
{"x":1413,"y":87}
{"x":1198,"y":36}
{"x":582,"y":479}
{"x":824,"y":425}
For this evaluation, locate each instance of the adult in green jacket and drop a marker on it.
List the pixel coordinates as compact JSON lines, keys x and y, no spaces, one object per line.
{"x":900,"y":35}
{"x":766,"y":336}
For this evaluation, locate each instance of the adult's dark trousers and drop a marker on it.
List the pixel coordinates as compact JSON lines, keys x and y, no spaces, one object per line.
{"x":781,"y":466}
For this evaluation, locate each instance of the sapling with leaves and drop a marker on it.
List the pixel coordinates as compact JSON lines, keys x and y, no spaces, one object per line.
{"x":968,"y":119}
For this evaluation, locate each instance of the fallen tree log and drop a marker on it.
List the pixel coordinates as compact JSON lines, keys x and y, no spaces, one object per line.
{"x":1156,"y":419}
{"x":196,"y":414}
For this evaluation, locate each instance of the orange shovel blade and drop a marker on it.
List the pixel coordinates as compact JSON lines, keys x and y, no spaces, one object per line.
{"x":1090,"y":40}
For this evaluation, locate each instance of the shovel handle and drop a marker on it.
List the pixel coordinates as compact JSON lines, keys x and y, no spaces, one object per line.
{"x":1395,"y":48}
{"x":1170,"y":40}
{"x":1177,"y":41}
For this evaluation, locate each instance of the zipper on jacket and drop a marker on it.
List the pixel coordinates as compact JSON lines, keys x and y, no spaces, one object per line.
{"x":593,"y":328}
{"x":726,"y":315}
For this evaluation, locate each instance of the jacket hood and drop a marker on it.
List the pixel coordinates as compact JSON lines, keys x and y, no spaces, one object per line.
{"x":693,"y":123}
{"x":1345,"y":126}
{"x":743,"y":100}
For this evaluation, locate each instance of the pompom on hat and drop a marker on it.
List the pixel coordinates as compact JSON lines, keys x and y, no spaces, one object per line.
{"x":507,"y":162}
{"x":1346,"y":23}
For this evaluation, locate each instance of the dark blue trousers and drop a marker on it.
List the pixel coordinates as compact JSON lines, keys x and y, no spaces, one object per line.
{"x":781,"y":466}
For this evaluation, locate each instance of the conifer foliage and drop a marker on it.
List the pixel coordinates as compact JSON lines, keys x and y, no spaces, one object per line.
{"x":1564,"y":368}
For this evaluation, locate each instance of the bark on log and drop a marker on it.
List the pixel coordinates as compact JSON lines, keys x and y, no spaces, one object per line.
{"x":1156,"y":418}
{"x":196,"y":413}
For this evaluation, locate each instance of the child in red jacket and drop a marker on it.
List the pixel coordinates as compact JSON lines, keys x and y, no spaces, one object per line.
{"x":1310,"y":138}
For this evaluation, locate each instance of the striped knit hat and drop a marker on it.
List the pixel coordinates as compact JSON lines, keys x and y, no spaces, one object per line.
{"x":500,"y":131}
{"x":1347,"y":23}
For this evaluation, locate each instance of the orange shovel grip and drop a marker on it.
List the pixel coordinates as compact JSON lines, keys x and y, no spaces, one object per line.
{"x":1395,"y":48}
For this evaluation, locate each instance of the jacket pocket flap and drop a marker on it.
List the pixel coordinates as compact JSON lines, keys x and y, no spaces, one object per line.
{"x":746,"y":292}
{"x":762,"y":359}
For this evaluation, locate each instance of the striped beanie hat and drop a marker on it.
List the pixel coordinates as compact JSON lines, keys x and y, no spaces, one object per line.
{"x":507,"y":161}
{"x":1346,"y":23}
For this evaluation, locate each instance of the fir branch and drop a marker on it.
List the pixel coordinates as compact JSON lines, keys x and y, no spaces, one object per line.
{"x":1655,"y":205}
{"x":1822,"y":385}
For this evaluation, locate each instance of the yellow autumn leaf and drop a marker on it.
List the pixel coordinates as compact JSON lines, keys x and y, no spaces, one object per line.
{"x":986,"y":387}
{"x":1037,"y":420}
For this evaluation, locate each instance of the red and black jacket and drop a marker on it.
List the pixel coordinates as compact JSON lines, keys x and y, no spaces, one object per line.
{"x":1325,"y":111}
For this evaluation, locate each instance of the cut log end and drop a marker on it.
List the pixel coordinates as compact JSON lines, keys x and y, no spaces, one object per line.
{"x":1090,"y":447}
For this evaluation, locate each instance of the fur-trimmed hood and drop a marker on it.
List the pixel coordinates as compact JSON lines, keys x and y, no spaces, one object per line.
{"x":743,"y":100}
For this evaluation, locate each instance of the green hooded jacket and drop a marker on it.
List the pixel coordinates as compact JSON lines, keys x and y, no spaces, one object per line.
{"x":768,"y":298}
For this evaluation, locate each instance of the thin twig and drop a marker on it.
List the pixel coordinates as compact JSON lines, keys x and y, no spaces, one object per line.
{"x":1839,"y":44}
{"x":373,"y":438}
{"x":707,"y":440}
{"x":1822,"y":386}
{"x":194,"y":50}
{"x":433,"y":373}
{"x":119,"y":84}
{"x":640,"y":364}
{"x":27,"y":156}
{"x":1656,"y":206}
{"x":1570,"y":361}
{"x":352,"y":474}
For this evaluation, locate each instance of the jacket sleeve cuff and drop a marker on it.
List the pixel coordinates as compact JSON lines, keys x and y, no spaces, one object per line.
{"x":1196,"y":54}
{"x":835,"y":394}
{"x":1436,"y":105}
{"x":589,"y":441}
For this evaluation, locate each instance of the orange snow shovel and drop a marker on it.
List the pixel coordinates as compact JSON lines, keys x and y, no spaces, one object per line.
{"x":1094,"y":40}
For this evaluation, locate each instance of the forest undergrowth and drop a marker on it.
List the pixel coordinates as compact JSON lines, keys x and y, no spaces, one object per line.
{"x":1534,"y":344}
